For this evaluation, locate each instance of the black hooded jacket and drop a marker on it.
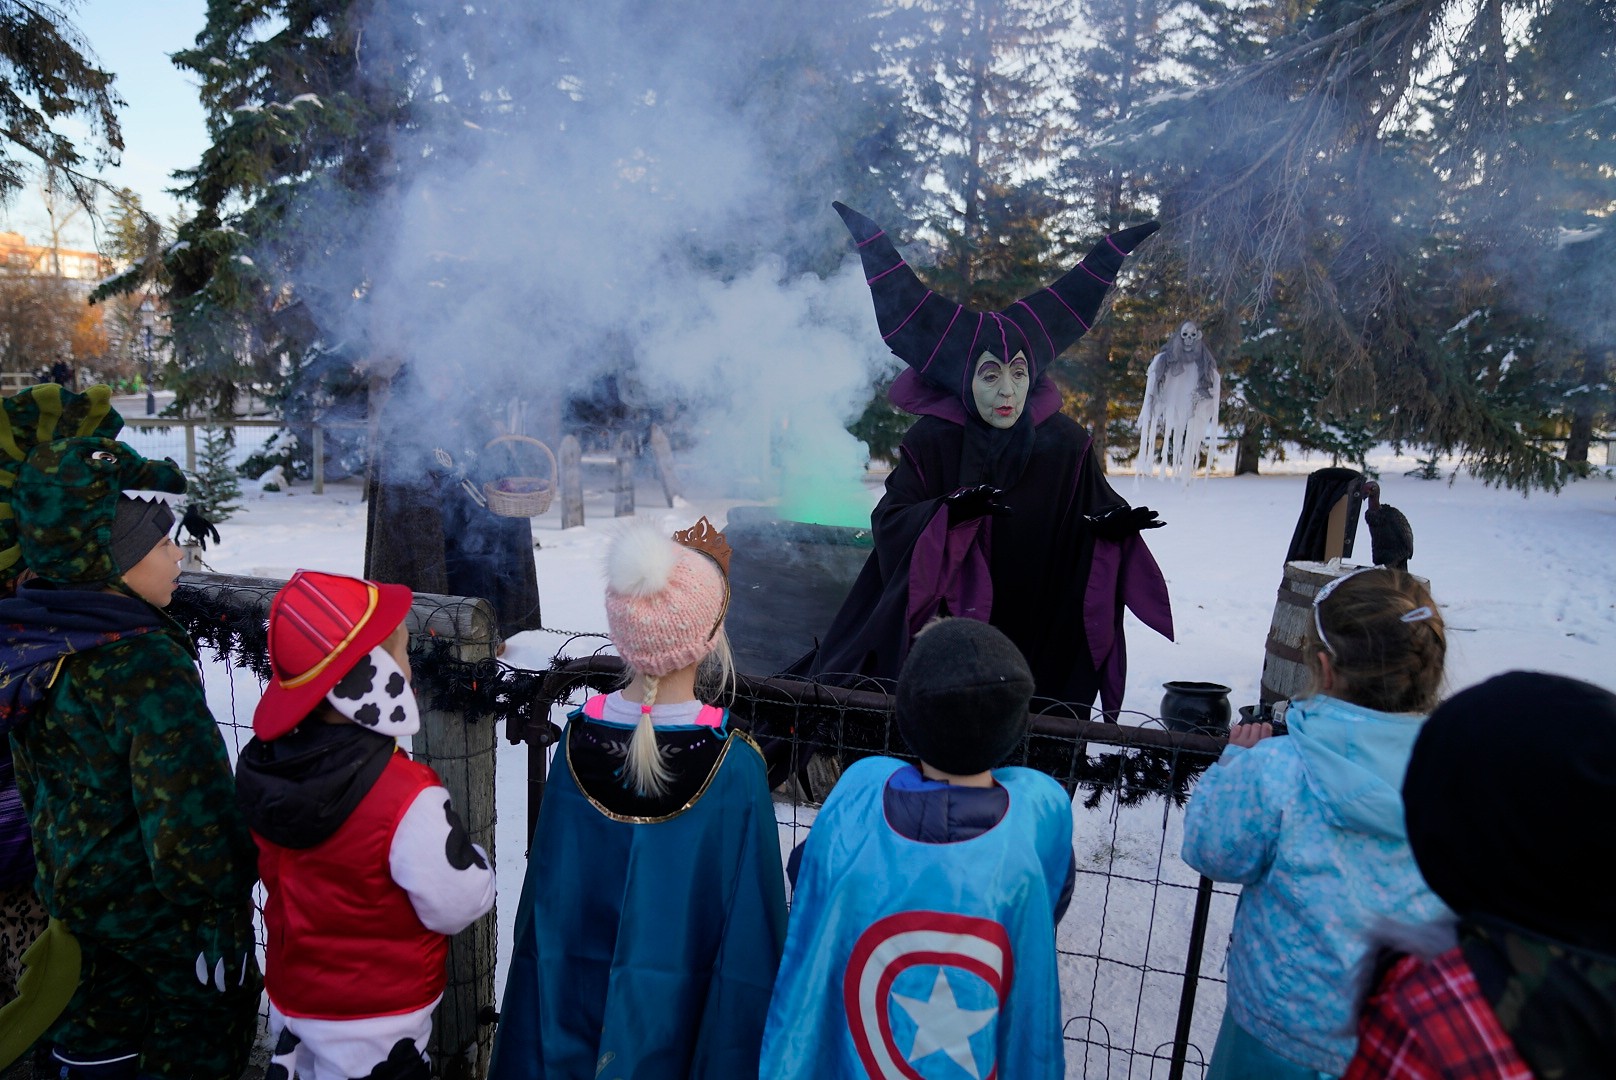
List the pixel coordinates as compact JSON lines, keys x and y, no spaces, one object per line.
{"x":298,"y":789}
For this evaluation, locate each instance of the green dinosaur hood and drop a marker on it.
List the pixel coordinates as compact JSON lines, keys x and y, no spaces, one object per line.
{"x":61,"y":472}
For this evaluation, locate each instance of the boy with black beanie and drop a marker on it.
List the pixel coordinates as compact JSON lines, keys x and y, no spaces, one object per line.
{"x":926,"y":900}
{"x":1504,"y":797}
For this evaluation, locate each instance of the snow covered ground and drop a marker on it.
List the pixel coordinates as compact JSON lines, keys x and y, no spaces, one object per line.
{"x":1523,"y":582}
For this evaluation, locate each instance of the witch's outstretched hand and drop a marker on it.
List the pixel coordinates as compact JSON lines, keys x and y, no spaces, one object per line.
{"x":1120,"y":522}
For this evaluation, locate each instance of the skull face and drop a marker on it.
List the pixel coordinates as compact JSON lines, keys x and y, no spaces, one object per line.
{"x":1189,"y":336}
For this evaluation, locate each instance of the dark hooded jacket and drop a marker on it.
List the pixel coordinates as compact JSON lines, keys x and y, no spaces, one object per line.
{"x":120,"y":763}
{"x":297,"y":790}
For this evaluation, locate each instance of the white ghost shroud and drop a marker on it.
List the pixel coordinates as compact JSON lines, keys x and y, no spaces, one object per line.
{"x":1182,"y":389}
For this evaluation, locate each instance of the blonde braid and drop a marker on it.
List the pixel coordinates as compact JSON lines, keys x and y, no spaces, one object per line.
{"x":644,"y":766}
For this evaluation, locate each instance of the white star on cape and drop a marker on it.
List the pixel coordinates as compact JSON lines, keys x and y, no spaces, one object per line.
{"x":940,"y":1024}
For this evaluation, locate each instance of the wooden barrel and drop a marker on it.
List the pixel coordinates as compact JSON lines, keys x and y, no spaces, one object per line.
{"x":1285,"y":673}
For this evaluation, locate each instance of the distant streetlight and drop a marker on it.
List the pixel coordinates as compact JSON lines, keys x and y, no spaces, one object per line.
{"x":148,"y":316}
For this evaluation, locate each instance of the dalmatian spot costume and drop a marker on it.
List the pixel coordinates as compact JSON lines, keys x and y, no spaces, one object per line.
{"x":366,"y":865}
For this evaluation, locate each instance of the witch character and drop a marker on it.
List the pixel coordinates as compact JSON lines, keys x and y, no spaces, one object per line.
{"x":998,"y":509}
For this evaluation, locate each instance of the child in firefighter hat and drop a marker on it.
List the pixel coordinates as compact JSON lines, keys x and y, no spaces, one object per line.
{"x":367,"y":867}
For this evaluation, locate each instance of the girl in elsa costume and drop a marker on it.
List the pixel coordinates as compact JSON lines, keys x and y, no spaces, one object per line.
{"x":1312,"y":826}
{"x":653,"y":911}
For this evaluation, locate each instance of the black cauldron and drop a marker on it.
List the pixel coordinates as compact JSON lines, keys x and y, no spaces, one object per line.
{"x":787,"y":582}
{"x":1199,"y":707}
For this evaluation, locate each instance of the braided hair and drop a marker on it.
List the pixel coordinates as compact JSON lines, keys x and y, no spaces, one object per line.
{"x":1386,"y":641}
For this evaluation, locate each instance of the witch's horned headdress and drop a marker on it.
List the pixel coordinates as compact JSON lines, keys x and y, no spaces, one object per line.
{"x":941,"y":339}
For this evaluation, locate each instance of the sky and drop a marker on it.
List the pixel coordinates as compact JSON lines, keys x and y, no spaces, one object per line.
{"x":163,"y":126}
{"x":1521,"y":583}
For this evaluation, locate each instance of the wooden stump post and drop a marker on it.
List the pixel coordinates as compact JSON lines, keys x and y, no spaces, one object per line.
{"x":625,"y":476}
{"x":572,"y":482}
{"x":662,"y":452}
{"x":462,"y":749}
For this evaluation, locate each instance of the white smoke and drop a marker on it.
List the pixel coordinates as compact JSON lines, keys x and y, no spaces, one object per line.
{"x":531,"y":255}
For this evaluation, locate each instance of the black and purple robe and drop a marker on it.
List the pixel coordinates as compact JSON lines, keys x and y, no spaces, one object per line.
{"x":1038,"y":573}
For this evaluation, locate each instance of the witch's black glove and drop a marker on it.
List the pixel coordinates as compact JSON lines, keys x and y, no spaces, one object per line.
{"x":974,"y":502}
{"x":1121,"y":522}
{"x":200,"y":528}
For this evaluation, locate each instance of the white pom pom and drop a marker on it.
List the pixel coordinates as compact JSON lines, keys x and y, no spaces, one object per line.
{"x":641,"y":562}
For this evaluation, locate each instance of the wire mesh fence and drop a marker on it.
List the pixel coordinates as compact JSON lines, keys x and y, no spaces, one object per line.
{"x":452,"y":643}
{"x":1141,"y":947}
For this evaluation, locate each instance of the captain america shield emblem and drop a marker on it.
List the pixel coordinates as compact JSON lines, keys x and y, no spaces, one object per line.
{"x":923,"y":992}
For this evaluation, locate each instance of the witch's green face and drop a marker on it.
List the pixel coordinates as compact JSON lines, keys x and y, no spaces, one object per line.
{"x":1000,"y":389}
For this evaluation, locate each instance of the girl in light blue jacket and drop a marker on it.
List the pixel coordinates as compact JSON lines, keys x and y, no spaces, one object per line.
{"x":1312,"y":826}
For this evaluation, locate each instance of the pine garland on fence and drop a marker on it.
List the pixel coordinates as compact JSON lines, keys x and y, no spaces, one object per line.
{"x":231,"y":622}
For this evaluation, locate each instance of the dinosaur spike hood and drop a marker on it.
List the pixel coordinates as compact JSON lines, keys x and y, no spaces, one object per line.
{"x":61,"y":476}
{"x":941,"y":340}
{"x":33,"y":417}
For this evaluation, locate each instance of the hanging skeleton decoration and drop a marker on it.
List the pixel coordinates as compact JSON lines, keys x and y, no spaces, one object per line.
{"x":1181,"y":406}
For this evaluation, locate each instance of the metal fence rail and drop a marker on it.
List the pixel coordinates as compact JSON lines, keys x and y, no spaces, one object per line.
{"x":1140,"y":948}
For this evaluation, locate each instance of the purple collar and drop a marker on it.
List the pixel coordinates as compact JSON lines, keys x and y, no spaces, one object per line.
{"x":914,"y":395}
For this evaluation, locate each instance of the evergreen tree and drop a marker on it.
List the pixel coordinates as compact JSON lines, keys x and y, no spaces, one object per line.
{"x":48,"y":74}
{"x":1308,"y":184}
{"x":213,"y":489}
{"x":982,"y":115}
{"x":298,"y":126}
{"x":1130,"y":58}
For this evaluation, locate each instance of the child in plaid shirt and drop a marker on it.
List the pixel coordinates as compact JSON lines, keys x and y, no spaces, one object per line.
{"x":1493,"y":800}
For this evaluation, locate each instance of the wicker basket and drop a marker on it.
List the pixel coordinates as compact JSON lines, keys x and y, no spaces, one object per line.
{"x":521,"y":496}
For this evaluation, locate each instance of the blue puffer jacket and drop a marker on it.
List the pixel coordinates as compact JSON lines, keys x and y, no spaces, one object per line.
{"x":1312,"y":825}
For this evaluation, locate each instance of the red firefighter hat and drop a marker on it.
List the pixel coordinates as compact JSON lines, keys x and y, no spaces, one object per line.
{"x":320,"y":626}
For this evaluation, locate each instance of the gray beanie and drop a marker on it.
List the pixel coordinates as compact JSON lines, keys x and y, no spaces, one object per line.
{"x":138,"y":526}
{"x":962,"y":696}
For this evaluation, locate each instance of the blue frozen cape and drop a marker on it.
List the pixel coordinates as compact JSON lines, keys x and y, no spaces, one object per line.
{"x":646,"y":949}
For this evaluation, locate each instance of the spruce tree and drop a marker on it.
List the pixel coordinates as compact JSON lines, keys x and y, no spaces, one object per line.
{"x":214,"y":489}
{"x":1382,"y":171}
{"x":982,"y":114}
{"x":48,"y":74}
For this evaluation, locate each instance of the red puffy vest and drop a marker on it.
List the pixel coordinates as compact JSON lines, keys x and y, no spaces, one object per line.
{"x":344,"y":941}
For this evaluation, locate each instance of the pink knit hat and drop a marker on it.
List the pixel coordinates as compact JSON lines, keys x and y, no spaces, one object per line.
{"x":665,"y":599}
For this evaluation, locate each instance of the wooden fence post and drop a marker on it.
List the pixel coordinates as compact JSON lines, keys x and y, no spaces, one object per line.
{"x":318,"y":465}
{"x":625,"y":476}
{"x":461,"y":749}
{"x":662,"y":452}
{"x":572,"y":482}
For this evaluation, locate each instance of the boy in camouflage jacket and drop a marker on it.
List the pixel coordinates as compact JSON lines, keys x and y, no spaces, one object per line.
{"x":141,"y":851}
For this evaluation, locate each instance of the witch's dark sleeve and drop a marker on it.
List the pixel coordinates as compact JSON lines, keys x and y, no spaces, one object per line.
{"x":909,"y":505}
{"x":1121,"y":574}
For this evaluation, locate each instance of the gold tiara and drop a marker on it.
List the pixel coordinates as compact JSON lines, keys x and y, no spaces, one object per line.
{"x":709,"y":541}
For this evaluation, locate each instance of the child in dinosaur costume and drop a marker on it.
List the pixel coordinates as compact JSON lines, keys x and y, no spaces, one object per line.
{"x":141,"y":851}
